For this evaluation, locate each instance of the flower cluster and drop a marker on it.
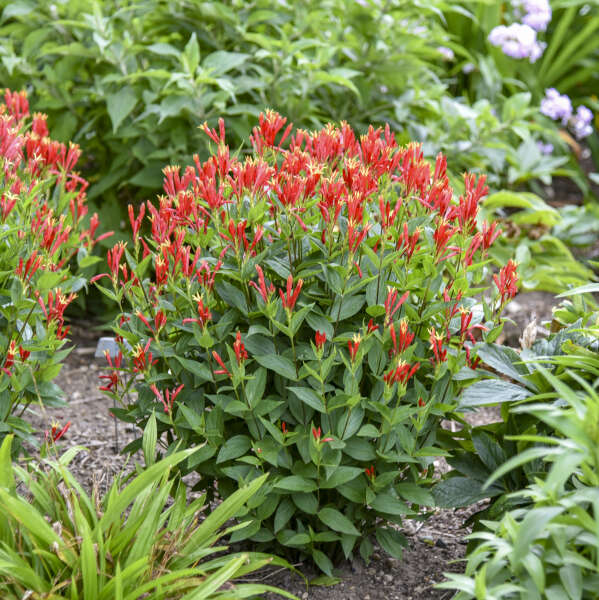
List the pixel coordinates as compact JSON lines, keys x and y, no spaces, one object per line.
{"x":559,"y":108}
{"x":517,"y":40}
{"x":47,"y":241}
{"x":534,"y":13}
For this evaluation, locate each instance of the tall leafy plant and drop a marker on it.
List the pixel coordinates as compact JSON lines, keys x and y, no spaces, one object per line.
{"x":305,"y":312}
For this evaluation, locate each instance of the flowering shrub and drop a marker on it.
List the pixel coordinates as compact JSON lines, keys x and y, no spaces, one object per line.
{"x":304,"y":312}
{"x":45,"y":247}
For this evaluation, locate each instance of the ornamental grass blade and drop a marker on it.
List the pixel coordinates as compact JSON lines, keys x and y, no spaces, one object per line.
{"x":212,"y":583}
{"x":225,"y":511}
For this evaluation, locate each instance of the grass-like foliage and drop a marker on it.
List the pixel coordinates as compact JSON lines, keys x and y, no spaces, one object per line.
{"x":56,"y":541}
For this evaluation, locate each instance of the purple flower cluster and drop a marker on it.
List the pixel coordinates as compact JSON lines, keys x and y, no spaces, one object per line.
{"x":559,"y":107}
{"x":556,"y":106}
{"x":537,"y":13}
{"x":581,"y":122}
{"x":517,"y":40}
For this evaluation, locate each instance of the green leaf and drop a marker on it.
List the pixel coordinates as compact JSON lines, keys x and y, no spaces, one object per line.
{"x":503,"y":359}
{"x":284,"y":512}
{"x":492,"y":391}
{"x":412,"y":492}
{"x":254,"y":389}
{"x":459,"y":491}
{"x":149,"y":440}
{"x":323,"y":561}
{"x":221,"y":61}
{"x":386,"y":503}
{"x":308,"y":396}
{"x":232,"y":296}
{"x":337,"y":521}
{"x":279,"y":364}
{"x":234,"y":447}
{"x":391,"y":540}
{"x":295,"y":483}
{"x":582,"y":289}
{"x":340,"y":476}
{"x":346,"y":307}
{"x":191,"y":54}
{"x":120,"y":105}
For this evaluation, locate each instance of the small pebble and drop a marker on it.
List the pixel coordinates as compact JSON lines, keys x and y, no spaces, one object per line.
{"x":388,"y":578}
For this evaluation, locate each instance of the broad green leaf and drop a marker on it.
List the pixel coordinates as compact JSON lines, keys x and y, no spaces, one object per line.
{"x":337,"y":521}
{"x":309,"y":397}
{"x":295,"y":483}
{"x":279,"y":364}
{"x":492,"y":391}
{"x":234,"y":447}
{"x":391,"y":540}
{"x":119,"y":105}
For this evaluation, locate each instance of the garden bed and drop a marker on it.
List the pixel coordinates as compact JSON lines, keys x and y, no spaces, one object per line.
{"x":435,"y":545}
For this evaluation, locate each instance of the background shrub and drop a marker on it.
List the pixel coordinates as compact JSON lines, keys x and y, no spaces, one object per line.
{"x":305,"y":312}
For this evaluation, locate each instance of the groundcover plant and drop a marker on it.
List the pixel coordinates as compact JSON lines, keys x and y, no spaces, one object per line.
{"x":311,"y":311}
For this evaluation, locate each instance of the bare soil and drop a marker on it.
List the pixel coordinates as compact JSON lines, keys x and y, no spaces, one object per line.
{"x":435,"y":545}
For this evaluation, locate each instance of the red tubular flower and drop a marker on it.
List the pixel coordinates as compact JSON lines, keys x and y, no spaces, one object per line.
{"x":24,"y":354}
{"x":142,"y":359}
{"x":421,"y":402}
{"x":168,"y":398}
{"x":239,"y":348}
{"x":468,"y":203}
{"x":317,"y":435}
{"x":290,"y":299}
{"x":284,"y":427}
{"x":372,"y":326}
{"x":472,"y":248}
{"x":370,"y":473}
{"x":405,"y":337}
{"x":159,"y":320}
{"x":136,"y":221}
{"x":271,"y":123}
{"x":211,"y":133}
{"x":473,"y":364}
{"x":436,"y":341}
{"x":353,"y":346}
{"x":408,"y":242}
{"x":320,"y":339}
{"x":489,"y":234}
{"x":355,"y":238}
{"x":56,"y":433}
{"x":401,"y":373}
{"x":392,"y":303}
{"x":204,"y":314}
{"x":31,"y":266}
{"x":219,"y":360}
{"x":265,"y":292}
{"x":507,"y":281}
{"x":442,"y":234}
{"x":9,"y":360}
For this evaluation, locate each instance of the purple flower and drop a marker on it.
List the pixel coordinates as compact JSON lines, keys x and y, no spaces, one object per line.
{"x":581,"y":122}
{"x":556,"y":106}
{"x":545,"y":148}
{"x":537,"y":13}
{"x":517,"y":41}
